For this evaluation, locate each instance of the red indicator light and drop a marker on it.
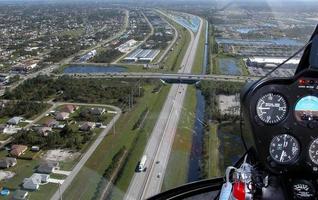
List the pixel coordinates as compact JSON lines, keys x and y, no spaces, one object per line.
{"x":239,"y":190}
{"x":302,"y":82}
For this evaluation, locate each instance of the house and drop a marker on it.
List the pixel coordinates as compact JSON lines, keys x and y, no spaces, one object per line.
{"x":87,"y":126}
{"x":8,"y":162}
{"x":20,"y":195}
{"x":48,"y":167}
{"x":35,"y":148}
{"x":62,"y":116}
{"x":51,"y":123}
{"x":9,"y":129}
{"x":69,"y":108}
{"x":14,"y":120}
{"x":44,"y":177}
{"x":97,"y":111}
{"x":32,"y":183}
{"x":44,"y":130}
{"x":17,"y":150}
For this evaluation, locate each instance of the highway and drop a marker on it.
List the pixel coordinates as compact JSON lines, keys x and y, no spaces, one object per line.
{"x":146,"y":184}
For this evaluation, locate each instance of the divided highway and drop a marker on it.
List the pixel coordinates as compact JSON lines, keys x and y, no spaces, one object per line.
{"x":146,"y":184}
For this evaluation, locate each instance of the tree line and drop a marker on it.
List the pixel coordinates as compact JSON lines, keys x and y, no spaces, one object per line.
{"x":25,"y":109}
{"x":66,"y":138}
{"x":70,"y":89}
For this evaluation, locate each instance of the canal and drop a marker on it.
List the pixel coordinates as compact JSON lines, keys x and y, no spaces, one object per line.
{"x":196,"y":154}
{"x":79,"y":69}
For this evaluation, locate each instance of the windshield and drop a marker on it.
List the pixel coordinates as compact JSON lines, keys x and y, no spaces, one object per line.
{"x":127,"y":99}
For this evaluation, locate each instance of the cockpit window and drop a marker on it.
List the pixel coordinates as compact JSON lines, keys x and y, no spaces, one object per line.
{"x":125,"y":100}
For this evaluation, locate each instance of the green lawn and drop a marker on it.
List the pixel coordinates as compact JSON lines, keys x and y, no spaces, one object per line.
{"x":199,"y":56}
{"x":58,"y":176}
{"x":242,"y":65}
{"x":213,"y":143}
{"x":4,"y":136}
{"x":181,"y":149}
{"x":84,"y":185}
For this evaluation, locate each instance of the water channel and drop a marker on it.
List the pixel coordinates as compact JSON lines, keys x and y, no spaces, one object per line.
{"x":196,"y":154}
{"x":74,"y":69}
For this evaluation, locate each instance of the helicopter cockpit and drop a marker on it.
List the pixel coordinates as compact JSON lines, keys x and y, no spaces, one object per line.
{"x":281,"y":116}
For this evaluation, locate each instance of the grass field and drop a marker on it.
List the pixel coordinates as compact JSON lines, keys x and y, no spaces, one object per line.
{"x":84,"y":185}
{"x":198,"y":62}
{"x":177,"y":169}
{"x":242,"y":65}
{"x":213,"y":143}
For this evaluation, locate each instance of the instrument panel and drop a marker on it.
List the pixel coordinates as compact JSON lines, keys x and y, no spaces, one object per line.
{"x":283,"y":117}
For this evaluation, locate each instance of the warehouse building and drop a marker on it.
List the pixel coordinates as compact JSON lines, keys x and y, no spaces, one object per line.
{"x":142,"y":55}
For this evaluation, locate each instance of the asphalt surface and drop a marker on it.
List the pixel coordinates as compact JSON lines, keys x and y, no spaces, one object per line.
{"x":57,"y":195}
{"x":148,"y":183}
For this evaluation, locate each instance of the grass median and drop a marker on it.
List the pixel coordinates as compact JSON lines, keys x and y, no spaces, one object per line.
{"x":177,"y":169}
{"x":199,"y":56}
{"x":212,"y":144}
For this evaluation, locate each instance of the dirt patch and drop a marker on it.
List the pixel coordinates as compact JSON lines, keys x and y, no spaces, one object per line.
{"x":60,"y":155}
{"x":229,"y":104}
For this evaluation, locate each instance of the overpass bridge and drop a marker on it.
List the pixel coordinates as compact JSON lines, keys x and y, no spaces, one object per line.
{"x":166,"y":77}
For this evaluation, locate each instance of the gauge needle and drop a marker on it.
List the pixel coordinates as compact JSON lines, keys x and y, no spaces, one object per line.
{"x":285,"y":143}
{"x":282,"y":156}
{"x":264,"y":108}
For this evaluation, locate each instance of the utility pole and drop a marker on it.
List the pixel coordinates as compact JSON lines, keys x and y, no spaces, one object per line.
{"x":114,"y":127}
{"x":139,"y":87}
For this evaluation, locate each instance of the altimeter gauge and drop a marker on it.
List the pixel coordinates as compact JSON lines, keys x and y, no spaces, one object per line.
{"x":271,"y":108}
{"x":284,"y":149}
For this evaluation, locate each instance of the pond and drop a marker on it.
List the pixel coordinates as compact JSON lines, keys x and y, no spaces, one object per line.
{"x":93,"y":69}
{"x":228,"y":66}
{"x":192,"y":23}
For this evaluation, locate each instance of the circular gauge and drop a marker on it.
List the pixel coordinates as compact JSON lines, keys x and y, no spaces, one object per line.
{"x":271,"y":108}
{"x":306,"y":109}
{"x":284,"y":149}
{"x":313,"y":151}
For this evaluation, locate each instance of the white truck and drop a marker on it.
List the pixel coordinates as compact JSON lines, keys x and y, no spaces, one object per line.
{"x":142,"y":164}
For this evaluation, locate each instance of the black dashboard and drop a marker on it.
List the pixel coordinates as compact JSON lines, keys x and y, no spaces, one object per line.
{"x":283,"y":117}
